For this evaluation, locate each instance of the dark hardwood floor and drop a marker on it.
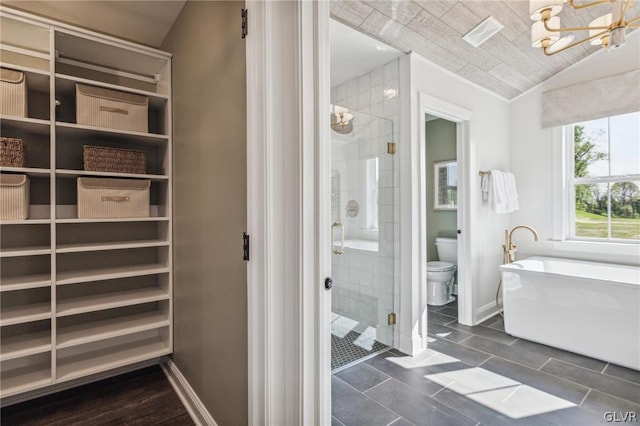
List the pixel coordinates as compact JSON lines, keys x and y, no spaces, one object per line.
{"x":143,"y":397}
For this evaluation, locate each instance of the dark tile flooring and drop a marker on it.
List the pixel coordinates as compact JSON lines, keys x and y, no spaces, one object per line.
{"x":482,"y":376}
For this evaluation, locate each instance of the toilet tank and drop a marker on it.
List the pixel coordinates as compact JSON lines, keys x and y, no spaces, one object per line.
{"x":447,"y":249}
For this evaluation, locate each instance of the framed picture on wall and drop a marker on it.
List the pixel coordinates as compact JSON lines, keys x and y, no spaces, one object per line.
{"x":445,"y":185}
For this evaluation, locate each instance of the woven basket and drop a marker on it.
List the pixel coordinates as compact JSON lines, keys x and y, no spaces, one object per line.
{"x":11,"y":152}
{"x":115,"y":160}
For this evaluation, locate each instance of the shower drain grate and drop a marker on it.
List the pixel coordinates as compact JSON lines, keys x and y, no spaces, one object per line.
{"x":344,"y":351}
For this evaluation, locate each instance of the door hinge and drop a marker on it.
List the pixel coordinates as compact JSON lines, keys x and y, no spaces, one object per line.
{"x":245,"y":30}
{"x":392,"y":318}
{"x":391,"y":148}
{"x":245,"y":246}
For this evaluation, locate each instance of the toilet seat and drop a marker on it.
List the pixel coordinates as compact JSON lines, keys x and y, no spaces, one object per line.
{"x":440,"y":266}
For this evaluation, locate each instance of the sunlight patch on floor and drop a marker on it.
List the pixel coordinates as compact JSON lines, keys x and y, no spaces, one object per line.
{"x":425,"y":359}
{"x":367,"y":339}
{"x":341,"y":326}
{"x":504,"y":395}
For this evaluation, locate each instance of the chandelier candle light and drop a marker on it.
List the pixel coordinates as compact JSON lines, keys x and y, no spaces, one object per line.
{"x":608,"y":30}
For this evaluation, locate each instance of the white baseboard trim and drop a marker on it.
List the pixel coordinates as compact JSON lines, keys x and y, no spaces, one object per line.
{"x":487,"y":311}
{"x":187,"y":395}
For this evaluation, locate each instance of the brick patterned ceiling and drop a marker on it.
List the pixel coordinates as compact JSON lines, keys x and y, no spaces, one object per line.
{"x":506,"y":64}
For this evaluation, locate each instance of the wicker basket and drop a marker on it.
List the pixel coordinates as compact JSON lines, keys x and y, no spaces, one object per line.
{"x":115,"y":160}
{"x":11,"y":152}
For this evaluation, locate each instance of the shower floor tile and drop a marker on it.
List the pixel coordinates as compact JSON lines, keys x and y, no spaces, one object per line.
{"x":352,"y":347}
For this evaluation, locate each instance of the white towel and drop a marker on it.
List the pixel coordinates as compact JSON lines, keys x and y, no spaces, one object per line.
{"x":512,"y":193}
{"x":484,"y":186}
{"x":503,"y":195}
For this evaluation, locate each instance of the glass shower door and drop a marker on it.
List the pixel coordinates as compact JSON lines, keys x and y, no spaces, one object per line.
{"x":362,"y":212}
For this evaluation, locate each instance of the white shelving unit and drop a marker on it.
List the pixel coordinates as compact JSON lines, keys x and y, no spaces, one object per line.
{"x":28,"y":312}
{"x":78,"y":248}
{"x":105,"y":329}
{"x":25,"y":345}
{"x":81,"y":296}
{"x":113,"y":354}
{"x":24,"y":282}
{"x":112,"y":300}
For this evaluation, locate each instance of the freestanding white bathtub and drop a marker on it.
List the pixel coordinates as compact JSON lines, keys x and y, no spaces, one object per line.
{"x":584,"y":307}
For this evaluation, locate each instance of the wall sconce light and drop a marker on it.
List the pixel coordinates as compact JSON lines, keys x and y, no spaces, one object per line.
{"x":341,"y":120}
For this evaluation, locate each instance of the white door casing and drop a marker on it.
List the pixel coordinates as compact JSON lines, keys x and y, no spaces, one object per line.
{"x":413,"y":226}
{"x":288,"y":212}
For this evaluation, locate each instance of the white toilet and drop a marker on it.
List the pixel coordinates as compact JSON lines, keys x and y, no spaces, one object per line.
{"x":441,"y":274}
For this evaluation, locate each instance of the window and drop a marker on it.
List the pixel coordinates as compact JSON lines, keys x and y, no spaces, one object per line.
{"x":604,"y":179}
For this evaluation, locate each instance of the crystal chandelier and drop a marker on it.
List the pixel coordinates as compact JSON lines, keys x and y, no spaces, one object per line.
{"x":607,"y":30}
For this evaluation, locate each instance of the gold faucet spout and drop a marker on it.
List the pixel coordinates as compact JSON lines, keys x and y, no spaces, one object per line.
{"x":533,"y":231}
{"x":509,"y":248}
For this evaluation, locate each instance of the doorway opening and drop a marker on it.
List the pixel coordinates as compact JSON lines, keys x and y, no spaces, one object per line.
{"x":364,"y":128}
{"x":455,"y":197}
{"x":362,"y":194}
{"x":441,"y":216}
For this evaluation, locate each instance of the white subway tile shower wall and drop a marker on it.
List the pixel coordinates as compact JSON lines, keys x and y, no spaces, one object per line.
{"x":367,"y":282}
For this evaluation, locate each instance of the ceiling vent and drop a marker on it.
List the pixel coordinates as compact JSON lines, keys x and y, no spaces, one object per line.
{"x":483,"y":32}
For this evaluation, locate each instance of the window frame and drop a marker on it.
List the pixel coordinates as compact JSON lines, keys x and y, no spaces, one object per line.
{"x":569,"y":202}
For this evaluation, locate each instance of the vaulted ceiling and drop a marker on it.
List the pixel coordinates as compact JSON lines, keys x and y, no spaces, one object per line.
{"x":506,"y":64}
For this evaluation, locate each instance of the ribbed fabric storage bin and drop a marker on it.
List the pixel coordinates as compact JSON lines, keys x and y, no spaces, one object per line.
{"x":13,"y":93}
{"x":107,"y":197}
{"x":115,"y":160}
{"x":14,"y":197}
{"x":96,"y":106}
{"x":11,"y":152}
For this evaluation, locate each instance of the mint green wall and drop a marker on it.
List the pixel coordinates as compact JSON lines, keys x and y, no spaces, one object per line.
{"x":441,"y":146}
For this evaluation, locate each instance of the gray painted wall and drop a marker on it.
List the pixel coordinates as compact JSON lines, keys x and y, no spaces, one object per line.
{"x":441,"y":146}
{"x":210,"y":208}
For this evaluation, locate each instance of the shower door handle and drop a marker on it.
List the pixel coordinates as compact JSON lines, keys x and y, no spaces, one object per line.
{"x":335,"y":225}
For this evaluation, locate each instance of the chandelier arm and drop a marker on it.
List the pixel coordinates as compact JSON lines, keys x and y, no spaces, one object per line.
{"x":558,"y":30}
{"x":583,"y":6}
{"x":626,"y":7}
{"x":632,"y":20}
{"x":573,"y":44}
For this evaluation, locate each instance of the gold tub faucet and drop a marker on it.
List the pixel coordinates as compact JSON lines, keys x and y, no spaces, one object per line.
{"x":509,"y":248}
